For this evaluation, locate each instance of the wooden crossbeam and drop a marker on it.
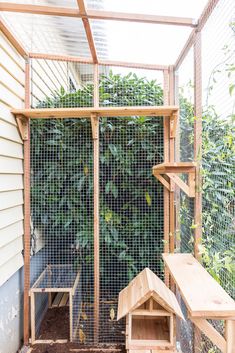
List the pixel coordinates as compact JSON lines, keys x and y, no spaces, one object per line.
{"x":101,"y":62}
{"x":97,"y":14}
{"x":88,"y":30}
{"x":157,"y":111}
{"x":12,"y":39}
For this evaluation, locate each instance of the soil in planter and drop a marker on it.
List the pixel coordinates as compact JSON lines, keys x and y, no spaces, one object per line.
{"x":55,"y":324}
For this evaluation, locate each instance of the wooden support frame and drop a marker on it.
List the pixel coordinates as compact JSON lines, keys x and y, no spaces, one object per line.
{"x":36,"y":288}
{"x":26,"y":165}
{"x":88,"y":30}
{"x":85,"y":60}
{"x":12,"y":39}
{"x":51,"y":113}
{"x":170,"y":170}
{"x":96,"y":156}
{"x":22,"y":124}
{"x":97,"y":14}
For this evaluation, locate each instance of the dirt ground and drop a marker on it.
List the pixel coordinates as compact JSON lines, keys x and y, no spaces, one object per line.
{"x":55,"y":326}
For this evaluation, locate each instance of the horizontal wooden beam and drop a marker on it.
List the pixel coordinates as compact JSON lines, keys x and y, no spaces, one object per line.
{"x":15,"y":42}
{"x":157,"y":111}
{"x":85,"y":60}
{"x":97,"y":14}
{"x":141,"y":18}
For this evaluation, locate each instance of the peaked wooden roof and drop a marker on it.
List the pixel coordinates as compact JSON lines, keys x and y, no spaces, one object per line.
{"x":145,"y":285}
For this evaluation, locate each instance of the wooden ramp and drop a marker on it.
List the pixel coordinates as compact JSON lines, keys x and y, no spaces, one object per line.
{"x":60,"y":299}
{"x":204,"y":299}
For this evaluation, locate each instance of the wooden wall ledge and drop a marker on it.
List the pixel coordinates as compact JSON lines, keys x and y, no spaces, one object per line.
{"x":170,"y":170}
{"x":158,"y":111}
{"x":204,"y":298}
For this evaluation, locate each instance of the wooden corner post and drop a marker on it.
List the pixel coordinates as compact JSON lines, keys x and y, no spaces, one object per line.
{"x":27,"y":209}
{"x":197,"y":158}
{"x":166,"y":159}
{"x":198,"y":142}
{"x":95,"y":136}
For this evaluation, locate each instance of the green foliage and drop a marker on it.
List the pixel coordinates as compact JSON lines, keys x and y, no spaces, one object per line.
{"x":131,"y":218}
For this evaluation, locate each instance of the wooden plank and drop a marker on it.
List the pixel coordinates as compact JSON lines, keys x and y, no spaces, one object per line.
{"x":70,"y":316}
{"x":27,"y":211}
{"x":211,"y":333}
{"x":9,"y":132}
{"x":46,"y":113}
{"x":163,"y":181}
{"x":144,"y":286}
{"x":191,"y":277}
{"x":198,"y":144}
{"x":97,"y":14}
{"x":57,"y":299}
{"x":88,"y":30}
{"x":166,"y":190}
{"x":16,"y":43}
{"x":33,"y":318}
{"x":86,"y":60}
{"x":64,"y":299}
{"x":230,"y":335}
{"x":172,"y":159}
{"x":96,"y":201}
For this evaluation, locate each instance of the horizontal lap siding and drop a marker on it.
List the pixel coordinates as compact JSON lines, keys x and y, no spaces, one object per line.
{"x":11,"y":161}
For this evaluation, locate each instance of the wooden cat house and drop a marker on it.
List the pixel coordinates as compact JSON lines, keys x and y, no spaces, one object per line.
{"x":150,"y":308}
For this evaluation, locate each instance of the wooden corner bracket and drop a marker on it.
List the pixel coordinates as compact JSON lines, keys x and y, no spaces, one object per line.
{"x":23,"y":126}
{"x":170,"y":170}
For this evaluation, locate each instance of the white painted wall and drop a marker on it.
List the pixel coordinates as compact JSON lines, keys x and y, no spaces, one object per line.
{"x":11,"y":161}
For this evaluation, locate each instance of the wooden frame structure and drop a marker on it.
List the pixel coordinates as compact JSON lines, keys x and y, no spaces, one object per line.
{"x":150,"y":308}
{"x":170,"y":119}
{"x":212,"y":303}
{"x":38,"y":288}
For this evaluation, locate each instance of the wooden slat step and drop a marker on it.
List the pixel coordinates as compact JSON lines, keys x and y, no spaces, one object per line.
{"x":64,"y":299}
{"x":57,"y":299}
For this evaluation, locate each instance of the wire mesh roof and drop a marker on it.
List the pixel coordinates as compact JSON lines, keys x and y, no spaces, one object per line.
{"x":114,"y":40}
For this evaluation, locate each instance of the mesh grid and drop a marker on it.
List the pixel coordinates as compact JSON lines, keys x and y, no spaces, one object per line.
{"x":131,"y":216}
{"x":62,"y":204}
{"x":131,"y":234}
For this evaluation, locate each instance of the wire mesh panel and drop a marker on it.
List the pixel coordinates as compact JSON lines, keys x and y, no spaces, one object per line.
{"x":120,"y":86}
{"x":62,"y":207}
{"x":131,"y":210}
{"x":185,"y":151}
{"x":61,"y":84}
{"x":218,"y":159}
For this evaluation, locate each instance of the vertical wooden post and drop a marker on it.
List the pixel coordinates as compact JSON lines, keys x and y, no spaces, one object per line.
{"x":95,"y":129}
{"x":166,"y":159}
{"x":230,"y":336}
{"x":197,"y":158}
{"x":198,"y":142}
{"x":172,"y":184}
{"x":33,"y":318}
{"x":27,"y":210}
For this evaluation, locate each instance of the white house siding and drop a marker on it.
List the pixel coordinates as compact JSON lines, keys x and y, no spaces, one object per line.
{"x":11,"y":161}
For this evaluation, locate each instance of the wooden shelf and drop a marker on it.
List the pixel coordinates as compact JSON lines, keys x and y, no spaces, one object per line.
{"x":170,"y":170}
{"x":158,"y":111}
{"x":204,"y":298}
